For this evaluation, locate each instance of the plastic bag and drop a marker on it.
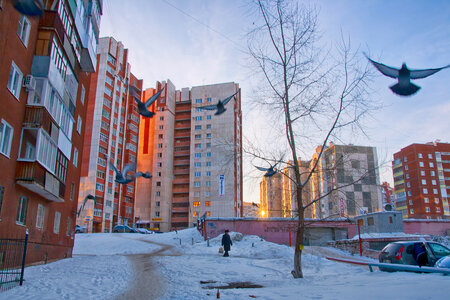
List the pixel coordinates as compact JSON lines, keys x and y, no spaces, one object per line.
{"x":220,"y":249}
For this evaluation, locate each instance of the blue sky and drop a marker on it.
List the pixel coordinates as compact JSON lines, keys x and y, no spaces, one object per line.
{"x":200,"y":42}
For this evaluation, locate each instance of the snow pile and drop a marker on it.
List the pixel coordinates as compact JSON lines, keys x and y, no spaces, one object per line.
{"x":376,"y":235}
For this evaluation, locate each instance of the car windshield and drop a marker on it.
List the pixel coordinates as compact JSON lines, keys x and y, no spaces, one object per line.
{"x":439,"y":250}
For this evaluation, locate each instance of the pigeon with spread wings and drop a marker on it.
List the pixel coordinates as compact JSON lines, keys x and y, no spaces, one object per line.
{"x":404,"y":87}
{"x":29,"y":7}
{"x":123,"y":177}
{"x":220,"y":106}
{"x":143,"y":107}
{"x":142,"y":174}
{"x":269,"y":171}
{"x":89,"y":196}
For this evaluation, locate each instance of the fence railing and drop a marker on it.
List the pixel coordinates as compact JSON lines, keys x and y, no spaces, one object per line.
{"x":12,"y":262}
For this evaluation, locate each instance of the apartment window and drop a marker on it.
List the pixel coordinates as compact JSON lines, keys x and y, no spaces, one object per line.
{"x":100,"y":174}
{"x":157,"y":204}
{"x":208,"y":154}
{"x":75,"y":157}
{"x":208,"y":173}
{"x":208,"y":164}
{"x":420,"y":155}
{"x":427,"y":209}
{"x":197,"y":155}
{"x":411,"y":211}
{"x":15,"y":80}
{"x":207,"y":203}
{"x":198,"y":146}
{"x":57,"y":55}
{"x":106,"y":114}
{"x":432,"y":173}
{"x":198,"y":127}
{"x":196,"y":203}
{"x":406,"y":167}
{"x":159,"y":154}
{"x":107,"y":216}
{"x":110,"y":70}
{"x":111,"y":59}
{"x":110,"y":178}
{"x":407,"y":176}
{"x":108,"y":203}
{"x":69,"y":225}
{"x":23,"y":31}
{"x":208,"y":99}
{"x":208,"y":126}
{"x":160,"y":136}
{"x":82,"y":94}
{"x":61,"y":166}
{"x":422,"y":173}
{"x":158,"y":183}
{"x":408,"y":184}
{"x":130,"y":189}
{"x":438,"y":209}
{"x":99,"y":187}
{"x":109,"y":190}
{"x":208,"y":135}
{"x":161,"y":118}
{"x":198,"y":110}
{"x":207,"y":194}
{"x":198,"y":136}
{"x":208,"y":183}
{"x":101,"y":162}
{"x":40,"y":216}
{"x":435,"y":191}
{"x":425,"y":191}
{"x":196,"y":194}
{"x":160,"y":145}
{"x":197,"y":184}
{"x":433,"y":182}
{"x":430,"y":156}
{"x":436,"y":200}
{"x":404,"y":159}
{"x":208,"y":117}
{"x":159,"y":164}
{"x":421,"y":164}
{"x":157,"y":194}
{"x":198,"y":118}
{"x":159,"y":174}
{"x":103,"y":137}
{"x":6,"y":135}
{"x":109,"y":81}
{"x":208,"y":145}
{"x":57,"y":221}
{"x":208,"y":214}
{"x":426,"y":200}
{"x":156,"y":213}
{"x":197,"y":174}
{"x":161,"y":127}
{"x":198,"y":101}
{"x":409,"y":193}
{"x":410,"y":202}
{"x":79,"y":123}
{"x":197,"y":164}
{"x":431,"y":165}
{"x":423,"y":182}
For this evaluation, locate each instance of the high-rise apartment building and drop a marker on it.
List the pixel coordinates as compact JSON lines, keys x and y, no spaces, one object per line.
{"x":346,"y":181}
{"x":194,"y":156}
{"x":422,"y":180}
{"x":43,"y":86}
{"x":111,"y":136}
{"x":270,"y":193}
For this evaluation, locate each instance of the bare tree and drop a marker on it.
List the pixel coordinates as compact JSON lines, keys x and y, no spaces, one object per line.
{"x":311,"y":92}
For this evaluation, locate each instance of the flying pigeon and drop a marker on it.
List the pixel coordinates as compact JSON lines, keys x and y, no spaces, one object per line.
{"x":123,"y":177}
{"x":404,"y":87}
{"x":143,"y":107}
{"x":220,"y":106}
{"x":269,"y":171}
{"x":145,"y":175}
{"x":89,"y":196}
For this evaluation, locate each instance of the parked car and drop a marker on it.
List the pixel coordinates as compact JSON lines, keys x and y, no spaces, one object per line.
{"x":144,"y":231}
{"x":443,"y":262}
{"x":124,"y":228}
{"x":80,"y":229}
{"x":403,"y":253}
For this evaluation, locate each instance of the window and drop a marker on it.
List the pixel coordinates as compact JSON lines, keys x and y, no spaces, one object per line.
{"x":410,"y":202}
{"x":208,"y":214}
{"x":197,"y":155}
{"x":197,"y":164}
{"x":159,"y":164}
{"x":198,"y":118}
{"x":411,"y":211}
{"x":426,"y":200}
{"x":420,"y":155}
{"x":407,"y":176}
{"x":431,"y":165}
{"x":208,"y":99}
{"x":79,"y":123}
{"x":409,"y":193}
{"x":408,"y":184}
{"x":208,"y":164}
{"x":427,"y":209}
{"x":208,"y":203}
{"x":436,"y":200}
{"x":197,"y":184}
{"x":195,"y":214}
{"x":423,"y":182}
{"x":156,"y":213}
{"x":57,"y":221}
{"x":430,"y":156}
{"x":208,"y":135}
{"x":198,"y":136}
{"x":157,"y":194}
{"x":208,"y":173}
{"x":158,"y":183}
{"x":159,"y":174}
{"x":198,"y":146}
{"x":433,"y":182}
{"x":15,"y":80}
{"x":198,"y":127}
{"x":208,"y":154}
{"x":208,"y":183}
{"x":69,"y":225}
{"x":82,"y":94}
{"x":40,"y":216}
{"x":208,"y":145}
{"x":438,"y":209}
{"x":391,"y":220}
{"x":207,"y":194}
{"x":158,"y":203}
{"x":130,"y":188}
{"x":196,"y":203}
{"x":160,"y":145}
{"x":425,"y":191}
{"x":370,"y":221}
{"x":406,"y":167}
{"x":160,"y":136}
{"x":161,"y":118}
{"x":108,"y":203}
{"x":161,"y":127}
{"x":422,"y":173}
{"x":435,"y":191}
{"x":208,"y":117}
{"x":6,"y":135}
{"x":99,"y":187}
{"x":23,"y":31}
{"x":421,"y":164}
{"x":197,"y":174}
{"x":159,"y":154}
{"x":432,"y":173}
{"x":75,"y":157}
{"x":198,"y":101}
{"x":405,"y":159}
{"x":208,"y":126}
{"x":100,"y":174}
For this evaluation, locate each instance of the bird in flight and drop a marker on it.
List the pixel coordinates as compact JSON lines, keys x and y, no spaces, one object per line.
{"x":123,"y":177}
{"x":142,"y":174}
{"x":89,"y":196}
{"x":269,"y":171}
{"x":143,"y":107}
{"x":29,"y":7}
{"x":220,"y":106}
{"x":404,"y":87}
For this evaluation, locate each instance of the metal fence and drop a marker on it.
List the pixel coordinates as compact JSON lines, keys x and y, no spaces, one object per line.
{"x":12,"y":262}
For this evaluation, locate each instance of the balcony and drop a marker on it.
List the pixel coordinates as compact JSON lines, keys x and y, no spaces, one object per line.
{"x":181,"y":171}
{"x":181,"y":126}
{"x":34,"y":177}
{"x":180,"y":190}
{"x":181,"y":181}
{"x":183,"y":162}
{"x":183,"y":210}
{"x":51,"y":20}
{"x":38,"y":116}
{"x":186,"y":143}
{"x":180,"y":219}
{"x":184,"y":199}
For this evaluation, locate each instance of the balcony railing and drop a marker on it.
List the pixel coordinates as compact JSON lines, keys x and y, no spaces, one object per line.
{"x":51,"y":20}
{"x":184,"y":162}
{"x":36,"y":178}
{"x":37,"y":116}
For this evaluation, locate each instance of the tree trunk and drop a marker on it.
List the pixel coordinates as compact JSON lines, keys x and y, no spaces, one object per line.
{"x":297,"y":272}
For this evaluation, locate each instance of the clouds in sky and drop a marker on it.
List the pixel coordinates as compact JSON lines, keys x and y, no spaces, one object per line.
{"x":189,"y":43}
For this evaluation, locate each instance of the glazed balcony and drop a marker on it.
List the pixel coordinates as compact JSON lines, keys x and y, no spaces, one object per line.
{"x":51,"y":20}
{"x":34,"y":177}
{"x":38,"y":116}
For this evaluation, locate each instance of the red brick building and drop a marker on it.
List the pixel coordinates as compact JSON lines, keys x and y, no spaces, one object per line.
{"x":44,"y":69}
{"x":422,"y":180}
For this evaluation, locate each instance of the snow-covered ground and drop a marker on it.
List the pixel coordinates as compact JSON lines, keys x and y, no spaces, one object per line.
{"x":102,"y":269}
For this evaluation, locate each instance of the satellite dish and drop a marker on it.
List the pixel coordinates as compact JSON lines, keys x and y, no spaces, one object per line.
{"x":388,"y":207}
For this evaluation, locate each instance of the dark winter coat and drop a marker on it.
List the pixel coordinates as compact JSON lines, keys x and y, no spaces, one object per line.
{"x":226,"y":242}
{"x":420,"y":254}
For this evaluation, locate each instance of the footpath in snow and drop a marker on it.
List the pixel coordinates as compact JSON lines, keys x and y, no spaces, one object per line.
{"x":182,"y":266}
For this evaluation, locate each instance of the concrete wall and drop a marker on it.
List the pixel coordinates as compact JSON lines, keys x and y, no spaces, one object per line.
{"x":381,"y":222}
{"x":433,"y":227}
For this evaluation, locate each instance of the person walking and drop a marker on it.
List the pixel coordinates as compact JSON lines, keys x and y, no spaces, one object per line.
{"x":226,"y":242}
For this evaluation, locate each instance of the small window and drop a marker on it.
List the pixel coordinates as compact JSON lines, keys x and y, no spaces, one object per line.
{"x":196,"y":203}
{"x":75,"y":157}
{"x":421,"y":164}
{"x":426,"y":200}
{"x":427,"y":209}
{"x":158,"y":203}
{"x":409,"y":193}
{"x":6,"y":135}
{"x":420,"y":155}
{"x":411,"y":211}
{"x":422,"y":173}
{"x":208,"y":117}
{"x":432,"y":173}
{"x":406,"y":167}
{"x":208,"y":99}
{"x":207,"y":203}
{"x":433,"y":182}
{"x":370,"y":221}
{"x":435,"y":191}
{"x":15,"y":80}
{"x":57,"y":221}
{"x":408,"y":184}
{"x":198,"y":101}
{"x":425,"y":191}
{"x":23,"y":30}
{"x":82,"y":94}
{"x":430,"y":156}
{"x":158,"y":183}
{"x":431,"y":165}
{"x":158,"y":193}
{"x":22,"y":210}
{"x":410,"y":202}
{"x":40,"y":216}
{"x":423,"y":182}
{"x":79,"y":123}
{"x":197,"y":184}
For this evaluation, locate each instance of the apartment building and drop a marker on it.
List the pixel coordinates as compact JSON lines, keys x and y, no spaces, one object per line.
{"x":271,"y":192}
{"x":422,"y":180}
{"x":195,"y":157}
{"x":43,"y":85}
{"x":346,"y":181}
{"x":112,"y":136}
